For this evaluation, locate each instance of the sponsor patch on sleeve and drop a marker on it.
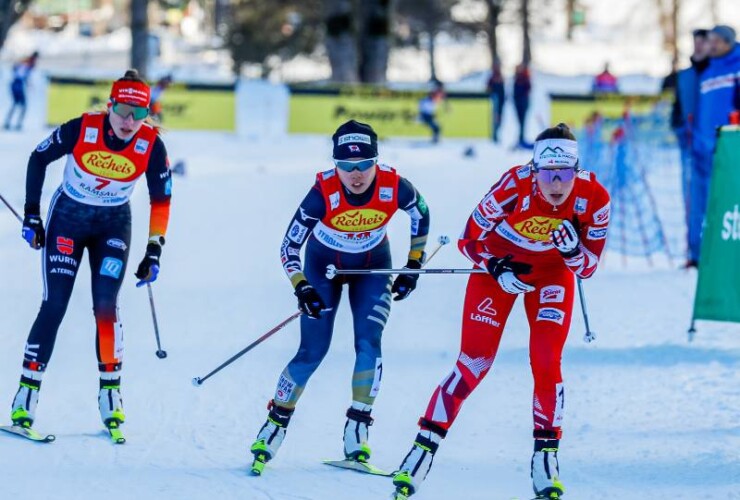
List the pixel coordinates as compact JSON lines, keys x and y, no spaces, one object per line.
{"x":45,"y":144}
{"x":482,"y":222}
{"x":491,"y":207}
{"x":297,"y":232}
{"x":601,"y":216}
{"x":596,"y":233}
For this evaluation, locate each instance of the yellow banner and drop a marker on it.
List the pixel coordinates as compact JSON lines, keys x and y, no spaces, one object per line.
{"x":184,"y":106}
{"x":392,"y":113}
{"x":576,"y":110}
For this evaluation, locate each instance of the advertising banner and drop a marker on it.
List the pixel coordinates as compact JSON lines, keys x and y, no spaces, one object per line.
{"x":717,"y":290}
{"x":184,"y":106}
{"x":392,"y":113}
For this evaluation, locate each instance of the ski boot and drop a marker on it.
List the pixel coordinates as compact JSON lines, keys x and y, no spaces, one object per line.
{"x":110,"y":405}
{"x":417,"y":463}
{"x":270,"y":436}
{"x":23,"y":410}
{"x":356,"y":432}
{"x":545,"y":471}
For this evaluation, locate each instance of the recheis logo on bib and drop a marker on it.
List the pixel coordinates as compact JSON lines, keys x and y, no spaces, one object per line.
{"x":359,"y":220}
{"x":537,"y":228}
{"x":108,"y":165}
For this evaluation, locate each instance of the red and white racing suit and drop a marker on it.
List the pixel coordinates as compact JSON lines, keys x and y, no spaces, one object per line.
{"x":514,"y":218}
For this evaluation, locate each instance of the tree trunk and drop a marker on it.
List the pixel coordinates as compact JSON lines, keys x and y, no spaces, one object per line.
{"x":432,"y":67}
{"x":341,"y":45}
{"x":10,"y":12}
{"x":494,"y":11}
{"x":571,"y":9}
{"x":674,"y":34}
{"x":526,"y":41}
{"x":140,"y":36}
{"x":375,"y":40}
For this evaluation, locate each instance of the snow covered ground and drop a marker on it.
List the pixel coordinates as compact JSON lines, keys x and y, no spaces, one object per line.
{"x":648,"y":416}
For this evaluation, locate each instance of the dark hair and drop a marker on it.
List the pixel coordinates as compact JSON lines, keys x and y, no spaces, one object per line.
{"x":131,"y":75}
{"x":700,"y":33}
{"x":559,"y":131}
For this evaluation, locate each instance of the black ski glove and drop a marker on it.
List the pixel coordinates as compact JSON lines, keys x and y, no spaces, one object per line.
{"x":565,"y":240}
{"x":498,"y":266}
{"x":507,"y":271}
{"x":148,"y":269}
{"x":406,"y":283}
{"x":309,"y":300}
{"x":33,"y":228}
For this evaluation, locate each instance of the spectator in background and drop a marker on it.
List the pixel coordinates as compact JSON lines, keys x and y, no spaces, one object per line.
{"x":684,"y":107}
{"x":719,"y":97}
{"x":21,"y":72}
{"x":522,"y":89}
{"x":155,"y":109}
{"x":605,"y":82}
{"x":496,"y":90}
{"x":428,"y":109}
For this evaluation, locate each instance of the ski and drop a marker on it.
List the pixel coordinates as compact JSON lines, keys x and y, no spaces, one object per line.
{"x":114,"y":432}
{"x":28,"y":433}
{"x":363,"y":467}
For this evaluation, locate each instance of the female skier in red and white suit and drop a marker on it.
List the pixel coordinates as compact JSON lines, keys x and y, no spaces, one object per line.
{"x":538,"y":226}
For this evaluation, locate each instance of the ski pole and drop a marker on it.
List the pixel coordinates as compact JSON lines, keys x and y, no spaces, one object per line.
{"x":20,"y":219}
{"x":161,"y":354}
{"x":198,"y":381}
{"x":332,"y":271}
{"x":442,"y":241}
{"x":590,"y":335}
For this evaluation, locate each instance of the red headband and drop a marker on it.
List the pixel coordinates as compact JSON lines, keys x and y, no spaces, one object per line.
{"x":129,"y":92}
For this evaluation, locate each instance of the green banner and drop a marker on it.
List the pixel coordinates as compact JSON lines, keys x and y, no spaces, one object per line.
{"x":392,"y":113}
{"x":717,"y":290}
{"x":184,"y":106}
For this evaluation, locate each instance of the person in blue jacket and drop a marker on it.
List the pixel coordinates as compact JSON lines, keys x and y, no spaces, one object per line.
{"x":683,"y":113}
{"x":719,"y":96}
{"x":21,"y":72}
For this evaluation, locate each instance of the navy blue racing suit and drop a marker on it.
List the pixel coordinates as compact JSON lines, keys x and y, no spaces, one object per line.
{"x":369,"y":294}
{"x":78,"y":220}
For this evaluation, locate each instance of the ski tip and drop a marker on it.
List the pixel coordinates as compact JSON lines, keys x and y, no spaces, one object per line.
{"x":363,"y":467}
{"x":28,"y":433}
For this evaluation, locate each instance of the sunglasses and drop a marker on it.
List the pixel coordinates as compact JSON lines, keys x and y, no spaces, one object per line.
{"x":124,"y":110}
{"x":548,"y":175}
{"x":361,"y":165}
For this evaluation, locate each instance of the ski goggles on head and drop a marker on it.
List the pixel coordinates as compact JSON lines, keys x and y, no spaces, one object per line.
{"x":549,"y":175}
{"x":124,"y":110}
{"x":361,"y":165}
